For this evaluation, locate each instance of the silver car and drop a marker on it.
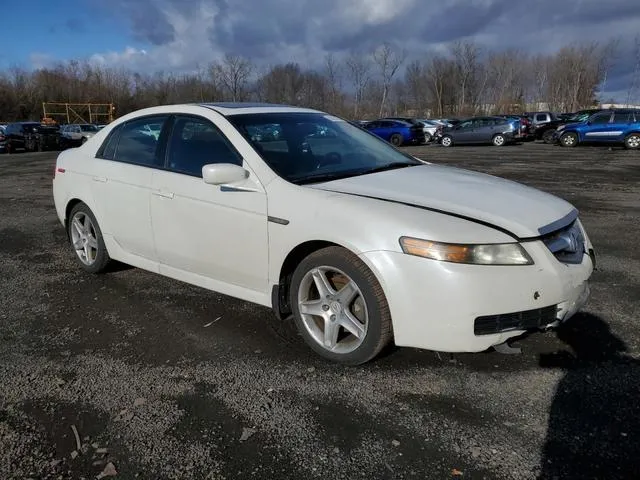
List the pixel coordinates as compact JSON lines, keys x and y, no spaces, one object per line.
{"x":77,"y":133}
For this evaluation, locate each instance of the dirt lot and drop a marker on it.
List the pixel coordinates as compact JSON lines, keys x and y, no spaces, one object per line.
{"x":132,"y":362}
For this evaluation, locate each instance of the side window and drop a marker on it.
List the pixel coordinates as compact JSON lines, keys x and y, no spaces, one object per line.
{"x":622,"y":117}
{"x":196,"y":142}
{"x":541,"y":117}
{"x":600,"y":118}
{"x":108,"y":147}
{"x":138,"y":141}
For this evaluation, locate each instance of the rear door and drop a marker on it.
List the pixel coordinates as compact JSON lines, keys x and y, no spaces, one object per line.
{"x":620,"y":125}
{"x":121,"y":184}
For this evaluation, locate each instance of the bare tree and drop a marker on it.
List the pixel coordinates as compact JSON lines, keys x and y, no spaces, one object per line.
{"x":234,"y":73}
{"x":634,"y":84}
{"x":359,"y":67}
{"x":388,"y":61}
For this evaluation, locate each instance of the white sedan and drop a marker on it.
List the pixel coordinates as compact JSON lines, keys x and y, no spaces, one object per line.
{"x":357,"y":241}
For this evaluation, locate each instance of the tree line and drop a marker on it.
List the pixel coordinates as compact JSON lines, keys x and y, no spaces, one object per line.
{"x":464,"y":80}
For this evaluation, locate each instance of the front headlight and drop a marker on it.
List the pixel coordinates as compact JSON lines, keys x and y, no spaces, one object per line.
{"x":488,"y":254}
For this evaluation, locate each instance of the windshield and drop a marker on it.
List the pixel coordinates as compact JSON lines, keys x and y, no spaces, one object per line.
{"x":580,"y":117}
{"x":88,"y":128}
{"x":315,"y":147}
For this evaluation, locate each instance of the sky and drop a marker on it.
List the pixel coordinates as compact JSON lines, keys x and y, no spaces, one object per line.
{"x":181,"y":35}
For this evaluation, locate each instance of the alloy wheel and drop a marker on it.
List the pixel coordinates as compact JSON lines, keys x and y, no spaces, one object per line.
{"x":333,"y":309}
{"x":83,"y":238}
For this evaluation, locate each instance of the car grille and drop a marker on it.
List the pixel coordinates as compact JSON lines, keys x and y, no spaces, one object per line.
{"x":568,"y":244}
{"x":526,"y":320}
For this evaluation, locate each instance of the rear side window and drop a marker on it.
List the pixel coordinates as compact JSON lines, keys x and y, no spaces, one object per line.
{"x":138,"y":141}
{"x":541,"y":117}
{"x":623,"y":117}
{"x":196,"y":142}
{"x":108,"y":148}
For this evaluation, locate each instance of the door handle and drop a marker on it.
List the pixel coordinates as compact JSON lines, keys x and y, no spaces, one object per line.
{"x":100,"y":179}
{"x":164,"y":194}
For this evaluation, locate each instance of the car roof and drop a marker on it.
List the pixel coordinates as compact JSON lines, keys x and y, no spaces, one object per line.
{"x":239,"y":108}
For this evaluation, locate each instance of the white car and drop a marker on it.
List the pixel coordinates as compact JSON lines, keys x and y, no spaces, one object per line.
{"x":361,"y":243}
{"x":429,"y":129}
{"x":78,"y":133}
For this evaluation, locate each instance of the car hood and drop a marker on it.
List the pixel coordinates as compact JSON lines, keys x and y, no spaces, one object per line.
{"x":522,"y":211}
{"x":573,"y":125}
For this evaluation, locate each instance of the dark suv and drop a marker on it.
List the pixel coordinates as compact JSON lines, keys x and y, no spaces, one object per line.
{"x":31,"y":137}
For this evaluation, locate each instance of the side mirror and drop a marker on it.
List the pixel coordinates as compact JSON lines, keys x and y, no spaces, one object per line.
{"x":222,"y":173}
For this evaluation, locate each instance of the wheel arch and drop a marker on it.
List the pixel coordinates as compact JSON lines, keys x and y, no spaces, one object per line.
{"x":280,"y":291}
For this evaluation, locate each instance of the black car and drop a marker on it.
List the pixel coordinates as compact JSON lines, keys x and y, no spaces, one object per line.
{"x":546,"y":131}
{"x":31,"y":137}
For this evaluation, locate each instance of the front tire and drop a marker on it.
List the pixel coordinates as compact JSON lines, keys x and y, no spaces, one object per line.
{"x":632,"y":141}
{"x":446,"y":141}
{"x":427,"y":137}
{"x":86,"y":240}
{"x":499,"y":140}
{"x":396,"y":139}
{"x":569,"y":139}
{"x":339,"y":307}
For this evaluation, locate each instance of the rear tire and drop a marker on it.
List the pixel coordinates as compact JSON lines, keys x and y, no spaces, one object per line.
{"x":339,"y":294}
{"x":396,"y":139}
{"x":569,"y":139}
{"x":427,"y":138}
{"x":632,"y":141}
{"x":86,"y":240}
{"x":547,"y":136}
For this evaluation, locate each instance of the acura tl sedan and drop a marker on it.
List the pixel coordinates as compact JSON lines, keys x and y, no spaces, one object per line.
{"x":358,"y":242}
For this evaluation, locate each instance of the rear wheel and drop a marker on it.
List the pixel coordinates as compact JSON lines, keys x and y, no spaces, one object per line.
{"x":427,"y":137}
{"x":396,"y":139}
{"x":86,"y":239}
{"x":632,"y":141}
{"x":339,"y":307}
{"x":446,"y":141}
{"x":498,"y":140}
{"x":547,"y":137}
{"x":569,"y":139}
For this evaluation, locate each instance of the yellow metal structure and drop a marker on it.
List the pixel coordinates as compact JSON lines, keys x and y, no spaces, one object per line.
{"x":78,"y":112}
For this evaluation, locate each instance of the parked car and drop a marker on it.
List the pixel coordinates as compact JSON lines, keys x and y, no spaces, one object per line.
{"x":3,"y":142}
{"x":76,"y":134}
{"x":540,"y":118}
{"x":522,"y":125}
{"x":490,"y":130}
{"x":616,"y":126}
{"x":397,"y":132}
{"x":361,"y":244}
{"x":31,"y":137}
{"x":546,"y":131}
{"x":429,"y":128}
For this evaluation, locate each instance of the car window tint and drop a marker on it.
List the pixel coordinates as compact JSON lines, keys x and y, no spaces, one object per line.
{"x":138,"y":142}
{"x":600,"y":118}
{"x":622,"y":117}
{"x":108,"y":147}
{"x":541,"y":117}
{"x":196,"y":142}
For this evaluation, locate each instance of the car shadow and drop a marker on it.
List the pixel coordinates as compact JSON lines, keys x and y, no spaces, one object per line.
{"x":594,"y":420}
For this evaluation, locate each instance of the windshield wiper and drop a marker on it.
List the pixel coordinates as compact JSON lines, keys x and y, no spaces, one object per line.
{"x":388,"y":166}
{"x":323,"y":177}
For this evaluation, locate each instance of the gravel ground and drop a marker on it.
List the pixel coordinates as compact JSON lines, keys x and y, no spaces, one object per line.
{"x":132,"y":363}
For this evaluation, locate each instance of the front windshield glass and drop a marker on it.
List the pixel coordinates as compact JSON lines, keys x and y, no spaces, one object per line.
{"x":316,"y":147}
{"x":88,"y":128}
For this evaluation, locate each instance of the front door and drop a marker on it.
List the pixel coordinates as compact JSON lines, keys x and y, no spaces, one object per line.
{"x":599,"y":128}
{"x":464,"y":132}
{"x":216,"y":233}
